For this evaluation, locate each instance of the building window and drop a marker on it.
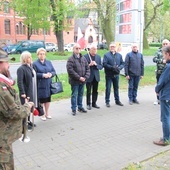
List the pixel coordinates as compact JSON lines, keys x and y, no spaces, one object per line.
{"x":20,"y":27}
{"x":24,"y":29}
{"x":6,"y":7}
{"x":17,"y":29}
{"x":7,"y":27}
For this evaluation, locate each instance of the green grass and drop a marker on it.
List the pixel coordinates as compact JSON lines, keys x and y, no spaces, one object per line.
{"x":66,"y":55}
{"x":149,"y":79}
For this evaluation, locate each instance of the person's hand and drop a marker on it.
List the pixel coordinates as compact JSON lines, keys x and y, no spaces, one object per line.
{"x":31,"y":104}
{"x":49,"y":75}
{"x":127,"y":77}
{"x":82,"y":79}
{"x":23,"y":95}
{"x":45,"y":75}
{"x":141,"y":77}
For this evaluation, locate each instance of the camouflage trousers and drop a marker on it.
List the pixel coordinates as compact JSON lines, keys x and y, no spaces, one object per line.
{"x":6,"y":158}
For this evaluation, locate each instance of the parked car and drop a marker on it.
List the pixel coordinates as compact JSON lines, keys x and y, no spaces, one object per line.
{"x":69,"y":47}
{"x":102,"y":46}
{"x":27,"y":45}
{"x":51,"y":46}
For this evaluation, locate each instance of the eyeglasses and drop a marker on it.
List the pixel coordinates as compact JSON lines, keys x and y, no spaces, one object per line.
{"x":78,"y":48}
{"x":165,"y":43}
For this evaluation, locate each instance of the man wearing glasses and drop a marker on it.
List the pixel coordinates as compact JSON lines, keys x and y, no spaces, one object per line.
{"x":78,"y":72}
{"x":160,"y":62}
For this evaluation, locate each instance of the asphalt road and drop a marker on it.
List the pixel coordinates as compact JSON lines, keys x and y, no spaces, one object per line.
{"x":60,"y":66}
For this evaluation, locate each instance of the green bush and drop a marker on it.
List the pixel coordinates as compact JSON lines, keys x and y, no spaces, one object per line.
{"x":155,"y":44}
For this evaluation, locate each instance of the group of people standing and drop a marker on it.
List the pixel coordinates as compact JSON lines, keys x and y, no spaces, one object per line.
{"x":85,"y":70}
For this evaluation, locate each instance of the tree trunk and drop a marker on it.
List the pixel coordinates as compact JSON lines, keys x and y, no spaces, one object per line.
{"x":145,"y":41}
{"x":29,"y":32}
{"x":60,"y":41}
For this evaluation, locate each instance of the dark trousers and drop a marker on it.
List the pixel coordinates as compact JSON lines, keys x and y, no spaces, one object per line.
{"x":133,"y":87}
{"x":157,"y":79}
{"x":165,"y":119}
{"x":91,"y":89}
{"x":109,"y":81}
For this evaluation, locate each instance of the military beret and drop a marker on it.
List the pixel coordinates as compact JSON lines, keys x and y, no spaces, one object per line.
{"x":4,"y":56}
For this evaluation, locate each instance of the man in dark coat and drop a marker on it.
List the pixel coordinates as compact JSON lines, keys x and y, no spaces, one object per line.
{"x":112,"y":63}
{"x":163,"y":90}
{"x":94,"y":61}
{"x":134,"y":71}
{"x":78,"y":72}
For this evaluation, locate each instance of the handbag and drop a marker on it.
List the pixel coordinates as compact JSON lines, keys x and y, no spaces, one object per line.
{"x":40,"y":109}
{"x":56,"y":87}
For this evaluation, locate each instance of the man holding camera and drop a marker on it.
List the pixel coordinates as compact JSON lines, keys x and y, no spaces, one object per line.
{"x":112,"y":63}
{"x":11,"y":114}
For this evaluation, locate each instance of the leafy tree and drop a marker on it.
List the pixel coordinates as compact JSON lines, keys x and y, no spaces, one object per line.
{"x":35,"y":13}
{"x":106,"y":14}
{"x":61,"y":10}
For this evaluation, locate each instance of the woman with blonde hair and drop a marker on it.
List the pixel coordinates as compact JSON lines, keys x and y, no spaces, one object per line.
{"x":26,"y":80}
{"x":45,"y":71}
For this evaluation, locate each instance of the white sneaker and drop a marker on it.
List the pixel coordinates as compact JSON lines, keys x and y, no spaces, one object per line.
{"x":155,"y":103}
{"x":26,"y":139}
{"x":43,"y":118}
{"x":48,"y":117}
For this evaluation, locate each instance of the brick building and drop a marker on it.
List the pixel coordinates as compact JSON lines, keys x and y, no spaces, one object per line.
{"x":13,"y":29}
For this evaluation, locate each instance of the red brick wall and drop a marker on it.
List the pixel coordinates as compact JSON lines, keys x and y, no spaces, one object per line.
{"x":13,"y":37}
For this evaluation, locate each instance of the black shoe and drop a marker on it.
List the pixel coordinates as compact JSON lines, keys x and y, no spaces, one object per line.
{"x":82,"y":110}
{"x":119,"y":103}
{"x":29,"y":127}
{"x":95,"y":106}
{"x":107,"y":105}
{"x":73,"y":113}
{"x":88,"y":107}
{"x":136,"y":101}
{"x":31,"y":124}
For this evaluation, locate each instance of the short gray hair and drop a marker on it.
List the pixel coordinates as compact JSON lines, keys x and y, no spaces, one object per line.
{"x":24,"y":56}
{"x":41,"y":49}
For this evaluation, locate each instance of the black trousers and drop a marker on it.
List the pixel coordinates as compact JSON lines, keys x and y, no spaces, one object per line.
{"x":91,"y":90}
{"x":157,"y":79}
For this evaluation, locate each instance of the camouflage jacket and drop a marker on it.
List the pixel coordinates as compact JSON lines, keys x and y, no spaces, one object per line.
{"x":158,"y":59}
{"x":11,"y":116}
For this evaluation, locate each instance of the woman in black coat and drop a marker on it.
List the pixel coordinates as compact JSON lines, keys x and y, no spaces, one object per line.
{"x":26,"y":80}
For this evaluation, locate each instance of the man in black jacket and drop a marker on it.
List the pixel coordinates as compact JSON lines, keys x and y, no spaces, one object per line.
{"x":78,"y":72}
{"x":94,"y":61}
{"x":112,"y":63}
{"x":134,"y":71}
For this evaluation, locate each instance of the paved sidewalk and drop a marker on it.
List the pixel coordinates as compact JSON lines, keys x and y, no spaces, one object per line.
{"x":102,"y":139}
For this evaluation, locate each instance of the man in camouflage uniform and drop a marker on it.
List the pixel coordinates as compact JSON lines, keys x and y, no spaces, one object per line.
{"x":11,"y":114}
{"x":160,"y":62}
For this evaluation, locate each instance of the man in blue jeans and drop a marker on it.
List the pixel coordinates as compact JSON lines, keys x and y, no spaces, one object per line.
{"x":78,"y":72}
{"x":163,"y":90}
{"x":112,"y":63}
{"x":134,"y":71}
